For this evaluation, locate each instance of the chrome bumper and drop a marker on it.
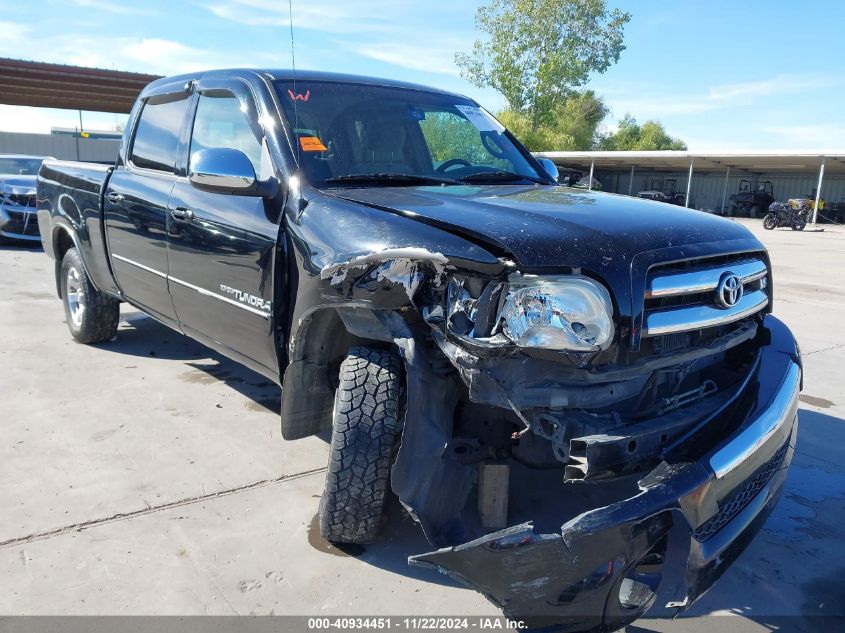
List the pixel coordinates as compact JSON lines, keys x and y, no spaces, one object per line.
{"x":781,"y":411}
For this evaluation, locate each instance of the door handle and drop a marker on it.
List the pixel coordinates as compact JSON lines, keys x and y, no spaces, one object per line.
{"x":182,"y":214}
{"x":114,"y":197}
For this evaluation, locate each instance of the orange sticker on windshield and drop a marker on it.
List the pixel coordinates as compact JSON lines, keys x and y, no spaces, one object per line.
{"x":311,"y":144}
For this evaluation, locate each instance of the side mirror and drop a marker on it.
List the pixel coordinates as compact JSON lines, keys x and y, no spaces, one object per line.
{"x":550,"y":167}
{"x":227,"y":170}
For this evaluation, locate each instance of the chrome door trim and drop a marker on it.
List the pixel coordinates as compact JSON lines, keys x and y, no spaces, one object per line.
{"x":139,"y":265}
{"x":202,"y":291}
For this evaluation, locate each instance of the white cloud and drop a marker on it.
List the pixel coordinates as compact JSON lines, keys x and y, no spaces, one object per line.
{"x":780,"y":85}
{"x":170,"y":57}
{"x":137,"y":54}
{"x":410,"y":55}
{"x":15,"y":35}
{"x":41,"y":120}
{"x":17,"y":119}
{"x":651,"y":102}
{"x":351,"y":16}
{"x":369,"y":28}
{"x":111,"y":6}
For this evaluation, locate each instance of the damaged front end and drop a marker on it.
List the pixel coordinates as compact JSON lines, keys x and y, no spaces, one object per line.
{"x":614,"y":423}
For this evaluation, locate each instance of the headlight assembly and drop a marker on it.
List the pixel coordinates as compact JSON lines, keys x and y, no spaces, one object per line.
{"x":563,"y":312}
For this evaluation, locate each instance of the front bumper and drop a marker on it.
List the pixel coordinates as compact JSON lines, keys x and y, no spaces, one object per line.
{"x":602,"y":570}
{"x":19,"y":223}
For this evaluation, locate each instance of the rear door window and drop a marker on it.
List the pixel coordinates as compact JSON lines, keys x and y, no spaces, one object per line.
{"x":157,"y":134}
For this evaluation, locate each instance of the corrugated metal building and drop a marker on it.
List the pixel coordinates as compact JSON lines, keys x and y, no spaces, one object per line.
{"x":712,"y":176}
{"x":59,"y":146}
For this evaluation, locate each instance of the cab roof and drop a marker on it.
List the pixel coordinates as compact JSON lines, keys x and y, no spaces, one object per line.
{"x":177,"y":83}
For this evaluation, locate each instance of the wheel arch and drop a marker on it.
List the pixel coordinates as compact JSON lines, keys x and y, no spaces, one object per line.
{"x":317,"y":347}
{"x":62,"y":241}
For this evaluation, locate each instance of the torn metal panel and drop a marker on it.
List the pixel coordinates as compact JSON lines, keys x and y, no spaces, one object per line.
{"x":424,"y":469}
{"x":547,"y":580}
{"x":338,"y":271}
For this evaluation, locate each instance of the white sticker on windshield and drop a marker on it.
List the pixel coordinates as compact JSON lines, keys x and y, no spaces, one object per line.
{"x":480,"y":118}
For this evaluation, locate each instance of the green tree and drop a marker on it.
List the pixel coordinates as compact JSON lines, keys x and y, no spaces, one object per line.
{"x":632,"y":136}
{"x":449,"y":136}
{"x":573,"y":124}
{"x":537,"y":52}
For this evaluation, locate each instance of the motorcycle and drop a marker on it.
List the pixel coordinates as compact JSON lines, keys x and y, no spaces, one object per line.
{"x":782,"y":214}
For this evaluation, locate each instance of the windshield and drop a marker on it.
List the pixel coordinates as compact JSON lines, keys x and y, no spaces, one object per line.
{"x":356,"y":134}
{"x":20,"y":166}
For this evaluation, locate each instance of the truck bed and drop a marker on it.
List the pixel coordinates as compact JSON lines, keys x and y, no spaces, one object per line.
{"x":70,"y":196}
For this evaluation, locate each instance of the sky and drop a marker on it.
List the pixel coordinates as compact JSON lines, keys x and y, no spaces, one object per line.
{"x":721,"y":75}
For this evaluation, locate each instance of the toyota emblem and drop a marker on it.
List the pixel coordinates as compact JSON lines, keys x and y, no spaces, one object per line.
{"x":729,"y":291}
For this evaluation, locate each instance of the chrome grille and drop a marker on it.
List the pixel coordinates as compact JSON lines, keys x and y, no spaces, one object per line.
{"x":685,"y":299}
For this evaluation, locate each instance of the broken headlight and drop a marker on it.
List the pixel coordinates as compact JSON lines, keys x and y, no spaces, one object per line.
{"x":559,"y":313}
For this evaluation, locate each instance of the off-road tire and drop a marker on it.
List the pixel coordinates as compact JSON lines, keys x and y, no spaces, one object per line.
{"x":364,"y":433}
{"x":98,"y":320}
{"x":770,"y":222}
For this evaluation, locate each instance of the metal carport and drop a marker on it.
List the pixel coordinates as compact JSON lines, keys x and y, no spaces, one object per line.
{"x":750,"y":163}
{"x":26,"y":83}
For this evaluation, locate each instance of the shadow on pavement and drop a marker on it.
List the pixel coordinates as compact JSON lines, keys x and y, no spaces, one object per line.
{"x":6,"y":244}
{"x":143,"y":336}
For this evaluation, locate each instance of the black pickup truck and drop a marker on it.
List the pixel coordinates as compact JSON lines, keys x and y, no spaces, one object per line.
{"x":480,"y":340}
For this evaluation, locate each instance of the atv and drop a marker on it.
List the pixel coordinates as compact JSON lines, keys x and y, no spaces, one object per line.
{"x":752,"y":198}
{"x":663,"y":190}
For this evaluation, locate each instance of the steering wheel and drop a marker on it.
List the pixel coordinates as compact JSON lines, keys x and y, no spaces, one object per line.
{"x":451,"y":163}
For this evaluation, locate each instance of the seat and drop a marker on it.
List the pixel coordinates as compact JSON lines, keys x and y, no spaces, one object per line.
{"x":383,"y":148}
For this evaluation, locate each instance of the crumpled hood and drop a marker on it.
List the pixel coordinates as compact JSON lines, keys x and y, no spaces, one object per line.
{"x":548,"y":226}
{"x":18,"y":185}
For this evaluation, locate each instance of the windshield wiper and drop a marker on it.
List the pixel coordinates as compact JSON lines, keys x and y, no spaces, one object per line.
{"x":411,"y":179}
{"x":500,"y":176}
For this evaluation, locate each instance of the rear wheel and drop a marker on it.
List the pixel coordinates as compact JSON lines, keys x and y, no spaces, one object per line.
{"x":92,"y":316}
{"x":799,"y":223}
{"x":364,"y":433}
{"x":770,"y":222}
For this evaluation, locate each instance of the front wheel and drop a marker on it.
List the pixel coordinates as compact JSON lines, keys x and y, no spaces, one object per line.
{"x":770,"y":221}
{"x":365,"y":428}
{"x":92,"y":316}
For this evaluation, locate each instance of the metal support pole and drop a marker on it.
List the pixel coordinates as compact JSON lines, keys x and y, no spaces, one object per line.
{"x":725,"y":190}
{"x":818,"y":192}
{"x":592,"y":166}
{"x":689,"y":182}
{"x":78,"y":135}
{"x":631,"y":184}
